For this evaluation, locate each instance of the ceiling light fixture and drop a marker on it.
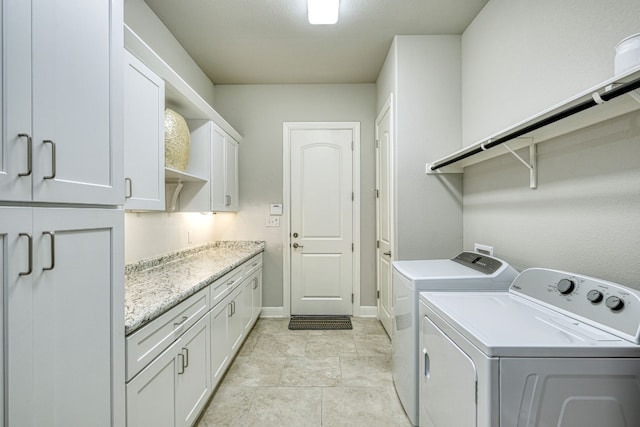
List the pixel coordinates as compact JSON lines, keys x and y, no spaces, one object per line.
{"x":323,"y":12}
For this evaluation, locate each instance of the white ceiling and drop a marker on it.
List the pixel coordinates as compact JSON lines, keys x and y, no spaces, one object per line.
{"x":270,"y":41}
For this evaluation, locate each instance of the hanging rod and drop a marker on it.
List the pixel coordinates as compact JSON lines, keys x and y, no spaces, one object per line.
{"x":596,"y":99}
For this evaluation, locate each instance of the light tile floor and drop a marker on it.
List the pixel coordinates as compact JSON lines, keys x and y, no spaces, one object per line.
{"x":289,"y":378}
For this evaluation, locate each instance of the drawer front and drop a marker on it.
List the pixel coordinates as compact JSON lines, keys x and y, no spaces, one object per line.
{"x":221,"y":287}
{"x":251,"y":266}
{"x":152,"y":339}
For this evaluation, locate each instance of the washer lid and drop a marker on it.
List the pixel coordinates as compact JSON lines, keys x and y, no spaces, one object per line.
{"x":501,"y":324}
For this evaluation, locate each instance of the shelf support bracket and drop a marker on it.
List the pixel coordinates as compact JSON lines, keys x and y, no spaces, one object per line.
{"x":532,"y":164}
{"x":174,"y":195}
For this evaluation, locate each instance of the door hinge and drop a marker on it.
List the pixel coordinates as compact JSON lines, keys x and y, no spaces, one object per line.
{"x":353,"y":196}
{"x":377,"y":143}
{"x":476,"y":392}
{"x":377,"y":244}
{"x":353,"y":298}
{"x":353,"y":247}
{"x":351,"y":145}
{"x":377,"y":193}
{"x":378,"y":294}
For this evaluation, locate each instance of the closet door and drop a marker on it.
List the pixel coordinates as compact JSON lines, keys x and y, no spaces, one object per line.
{"x":77,"y":144}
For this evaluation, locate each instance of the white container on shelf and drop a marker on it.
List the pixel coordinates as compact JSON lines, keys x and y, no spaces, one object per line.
{"x":627,"y":54}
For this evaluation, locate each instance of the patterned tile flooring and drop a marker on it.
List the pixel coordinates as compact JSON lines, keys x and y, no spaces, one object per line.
{"x":289,"y":378}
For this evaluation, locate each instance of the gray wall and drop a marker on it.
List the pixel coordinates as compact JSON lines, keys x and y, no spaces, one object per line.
{"x":423,"y":73}
{"x":257,"y":112}
{"x":518,"y":58}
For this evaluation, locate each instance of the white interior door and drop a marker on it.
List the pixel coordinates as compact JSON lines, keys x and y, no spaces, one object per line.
{"x":321,"y":221}
{"x":384,"y":213}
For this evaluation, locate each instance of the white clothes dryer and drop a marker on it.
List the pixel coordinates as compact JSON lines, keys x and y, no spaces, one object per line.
{"x":468,"y":271}
{"x":558,"y":349}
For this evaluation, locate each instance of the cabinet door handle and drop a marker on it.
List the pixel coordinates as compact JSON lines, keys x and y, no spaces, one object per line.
{"x":185,"y":351}
{"x":53,"y":159}
{"x":180,"y":363}
{"x":52,"y":241}
{"x":229,"y":310}
{"x":184,"y":319}
{"x":255,"y":283}
{"x":387,"y":253}
{"x":30,"y":267}
{"x":29,"y":154}
{"x":227,"y":200}
{"x":129,"y":187}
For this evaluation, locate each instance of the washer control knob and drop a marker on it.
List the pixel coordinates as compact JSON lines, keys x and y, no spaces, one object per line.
{"x":614,"y":303}
{"x":566,"y":286}
{"x":595,"y":296}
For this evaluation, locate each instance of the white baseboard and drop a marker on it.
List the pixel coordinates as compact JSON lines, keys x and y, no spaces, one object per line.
{"x":278,"y":312}
{"x":273,"y":312}
{"x":369,"y":311}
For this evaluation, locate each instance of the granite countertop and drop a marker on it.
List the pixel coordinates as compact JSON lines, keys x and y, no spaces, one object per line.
{"x":155,"y":285}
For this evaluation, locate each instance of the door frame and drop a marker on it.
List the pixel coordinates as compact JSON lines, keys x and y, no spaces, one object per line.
{"x":287,"y":127}
{"x":386,"y":108}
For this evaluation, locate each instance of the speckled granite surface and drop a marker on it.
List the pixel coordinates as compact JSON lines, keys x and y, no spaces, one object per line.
{"x":155,"y":285}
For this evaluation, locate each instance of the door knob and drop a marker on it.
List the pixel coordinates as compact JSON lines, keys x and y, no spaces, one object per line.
{"x":296,"y":246}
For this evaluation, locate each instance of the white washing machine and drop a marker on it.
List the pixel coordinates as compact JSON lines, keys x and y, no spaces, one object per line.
{"x":469,"y":271}
{"x":558,"y":349}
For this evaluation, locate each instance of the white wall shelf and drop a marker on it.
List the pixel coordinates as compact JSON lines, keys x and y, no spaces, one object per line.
{"x":605,"y":110}
{"x":173,"y":175}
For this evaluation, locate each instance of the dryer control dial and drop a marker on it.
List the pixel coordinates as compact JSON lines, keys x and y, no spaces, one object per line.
{"x":595,"y":296}
{"x":566,"y":286}
{"x":614,"y":303}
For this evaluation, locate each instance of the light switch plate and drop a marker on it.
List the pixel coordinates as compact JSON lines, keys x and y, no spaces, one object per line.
{"x":273,"y":221}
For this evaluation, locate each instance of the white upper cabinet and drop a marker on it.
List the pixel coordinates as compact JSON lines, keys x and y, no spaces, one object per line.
{"x":143,"y":137}
{"x":61,"y":137}
{"x":214,"y":154}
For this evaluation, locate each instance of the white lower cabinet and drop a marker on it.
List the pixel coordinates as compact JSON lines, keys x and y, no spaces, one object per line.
{"x":174,"y":388}
{"x":219,"y":342}
{"x":151,"y":395}
{"x":193,"y":383}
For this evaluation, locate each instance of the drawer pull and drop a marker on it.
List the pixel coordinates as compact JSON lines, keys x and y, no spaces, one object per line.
{"x":184,"y":319}
{"x":231,"y":282}
{"x":254,"y":264}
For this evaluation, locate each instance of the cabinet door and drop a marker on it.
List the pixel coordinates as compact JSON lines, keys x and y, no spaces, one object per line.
{"x":218,"y":167}
{"x":219,"y":341}
{"x":16,"y":278}
{"x":247,"y":303}
{"x":15,"y":93}
{"x":78,"y":319}
{"x":143,"y":136}
{"x":193,"y":383}
{"x":257,"y":295}
{"x":236,"y":329}
{"x":151,"y":395}
{"x":77,"y":102}
{"x":231,"y":174}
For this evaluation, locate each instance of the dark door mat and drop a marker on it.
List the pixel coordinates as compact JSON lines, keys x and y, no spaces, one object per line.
{"x":319,"y":322}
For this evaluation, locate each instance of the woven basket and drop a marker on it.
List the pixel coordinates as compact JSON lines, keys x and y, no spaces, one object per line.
{"x":177,"y":141}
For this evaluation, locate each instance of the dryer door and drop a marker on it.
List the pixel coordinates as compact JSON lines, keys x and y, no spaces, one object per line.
{"x":448,"y":381}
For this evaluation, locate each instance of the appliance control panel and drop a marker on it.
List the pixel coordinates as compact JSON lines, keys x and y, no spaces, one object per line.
{"x":605,"y":305}
{"x":482,"y":263}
